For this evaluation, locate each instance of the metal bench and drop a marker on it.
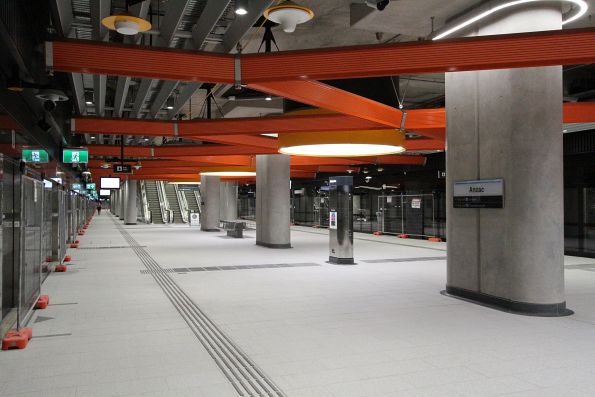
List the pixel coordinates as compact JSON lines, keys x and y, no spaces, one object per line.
{"x":234,"y":229}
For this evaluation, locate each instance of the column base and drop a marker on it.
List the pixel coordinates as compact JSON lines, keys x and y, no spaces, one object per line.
{"x":341,"y":261}
{"x":274,"y":246}
{"x":507,"y":305}
{"x":130,"y":223}
{"x":210,"y":230}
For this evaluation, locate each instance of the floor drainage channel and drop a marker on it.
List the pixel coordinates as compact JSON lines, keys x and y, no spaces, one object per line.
{"x":243,"y":374}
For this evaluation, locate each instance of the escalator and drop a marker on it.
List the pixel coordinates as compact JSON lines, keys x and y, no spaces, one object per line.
{"x":174,"y":203}
{"x":153,"y":201}
{"x":191,"y":200}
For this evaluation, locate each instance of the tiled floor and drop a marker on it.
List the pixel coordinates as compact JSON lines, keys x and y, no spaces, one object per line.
{"x":376,"y":329}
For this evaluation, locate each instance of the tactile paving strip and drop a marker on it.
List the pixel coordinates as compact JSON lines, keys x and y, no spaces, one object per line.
{"x":243,"y":374}
{"x":417,"y":259}
{"x":237,"y":267}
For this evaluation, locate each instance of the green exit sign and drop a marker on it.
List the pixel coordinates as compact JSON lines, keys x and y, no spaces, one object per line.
{"x":75,"y":156}
{"x":91,"y":186}
{"x":35,"y":156}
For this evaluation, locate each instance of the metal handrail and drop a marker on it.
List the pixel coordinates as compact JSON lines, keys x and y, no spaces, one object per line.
{"x":166,"y":213}
{"x":198,"y":200}
{"x":146,"y":212}
{"x":182,"y":203}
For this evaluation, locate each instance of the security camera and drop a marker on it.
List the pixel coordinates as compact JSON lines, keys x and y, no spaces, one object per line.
{"x":49,"y":105}
{"x":378,"y":4}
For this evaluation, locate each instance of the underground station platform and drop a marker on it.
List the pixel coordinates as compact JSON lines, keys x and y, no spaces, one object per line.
{"x":338,"y":198}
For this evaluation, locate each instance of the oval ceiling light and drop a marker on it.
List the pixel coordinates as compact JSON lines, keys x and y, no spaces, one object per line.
{"x":288,"y":14}
{"x":126,"y":24}
{"x":237,"y":171}
{"x":582,"y":9}
{"x":240,"y":7}
{"x":343,"y":144}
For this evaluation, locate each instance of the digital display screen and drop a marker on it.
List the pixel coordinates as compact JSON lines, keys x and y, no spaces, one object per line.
{"x":109,"y":183}
{"x":105,"y":192}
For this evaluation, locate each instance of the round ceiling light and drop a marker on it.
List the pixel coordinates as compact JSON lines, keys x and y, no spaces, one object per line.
{"x":288,"y":14}
{"x":126,"y":24}
{"x":343,"y":144}
{"x":237,"y":171}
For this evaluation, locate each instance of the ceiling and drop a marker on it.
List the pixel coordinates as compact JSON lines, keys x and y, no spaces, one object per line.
{"x":211,"y":25}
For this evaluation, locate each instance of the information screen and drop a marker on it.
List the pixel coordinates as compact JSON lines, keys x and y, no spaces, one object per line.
{"x":109,"y":183}
{"x":105,"y":192}
{"x":75,"y":156}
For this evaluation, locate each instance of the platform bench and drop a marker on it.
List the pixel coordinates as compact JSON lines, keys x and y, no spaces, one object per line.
{"x":234,"y":229}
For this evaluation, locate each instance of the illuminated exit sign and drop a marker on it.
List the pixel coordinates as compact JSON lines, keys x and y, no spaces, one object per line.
{"x":75,"y":156}
{"x":35,"y":156}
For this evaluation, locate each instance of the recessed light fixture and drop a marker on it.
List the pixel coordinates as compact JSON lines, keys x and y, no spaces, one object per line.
{"x":288,"y":14}
{"x":268,"y":98}
{"x":238,"y":171}
{"x":89,"y":97}
{"x":582,"y":9}
{"x":241,"y":7}
{"x":343,"y":143}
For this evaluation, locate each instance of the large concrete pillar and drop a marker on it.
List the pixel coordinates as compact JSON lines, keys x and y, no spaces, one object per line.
{"x":210,"y":192}
{"x":273,"y":201}
{"x":130,"y":203}
{"x":112,"y":201}
{"x":117,"y":203}
{"x":122,"y":193}
{"x":508,"y":124}
{"x":228,"y":207}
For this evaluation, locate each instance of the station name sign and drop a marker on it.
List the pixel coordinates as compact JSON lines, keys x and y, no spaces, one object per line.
{"x":486,"y":193}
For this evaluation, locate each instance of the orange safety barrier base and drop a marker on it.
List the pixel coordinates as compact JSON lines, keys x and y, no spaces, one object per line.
{"x":403,"y":236}
{"x":60,"y":268}
{"x":67,"y":258}
{"x":82,"y":233}
{"x":42,"y":302}
{"x":76,"y":241}
{"x":435,"y":239}
{"x":17,"y":339}
{"x":377,"y":233}
{"x":74,"y":245}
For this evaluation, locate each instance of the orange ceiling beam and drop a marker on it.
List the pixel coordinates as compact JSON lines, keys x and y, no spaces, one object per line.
{"x":417,"y":120}
{"x":93,"y":57}
{"x":174,"y":151}
{"x":325,"y":96}
{"x":556,"y":47}
{"x":244,"y":140}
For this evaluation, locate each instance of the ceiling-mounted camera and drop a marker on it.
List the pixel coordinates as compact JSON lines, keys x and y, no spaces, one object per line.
{"x":378,"y":4}
{"x":50,"y":98}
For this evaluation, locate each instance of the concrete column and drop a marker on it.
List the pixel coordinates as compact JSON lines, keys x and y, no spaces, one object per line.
{"x":112,"y":200}
{"x":122,"y":201}
{"x":117,"y":203}
{"x":130,"y":203}
{"x":228,"y":207}
{"x":508,"y":124}
{"x":210,"y":192}
{"x":273,"y":201}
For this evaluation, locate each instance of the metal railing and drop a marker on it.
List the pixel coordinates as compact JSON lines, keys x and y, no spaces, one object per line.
{"x":410,"y":214}
{"x":182,"y":203}
{"x":198,"y":200}
{"x":146,"y":212}
{"x":166,"y":212}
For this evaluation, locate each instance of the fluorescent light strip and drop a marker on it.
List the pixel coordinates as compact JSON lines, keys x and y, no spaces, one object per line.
{"x":581,"y":3}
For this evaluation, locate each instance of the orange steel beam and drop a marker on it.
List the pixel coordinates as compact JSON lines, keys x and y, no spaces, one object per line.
{"x":325,"y":96}
{"x":187,"y":162}
{"x":244,"y":140}
{"x":556,"y":47}
{"x":417,"y":119}
{"x":83,"y":56}
{"x":175,"y":151}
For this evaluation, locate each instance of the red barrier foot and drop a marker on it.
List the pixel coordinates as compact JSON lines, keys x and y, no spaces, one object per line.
{"x":403,"y":236}
{"x":60,"y":268}
{"x":81,"y":233}
{"x":377,"y":233}
{"x":67,"y":258}
{"x":17,"y":339}
{"x":42,"y":302}
{"x":435,"y":239}
{"x":76,"y":241}
{"x":74,"y":245}
{"x":48,"y":259}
